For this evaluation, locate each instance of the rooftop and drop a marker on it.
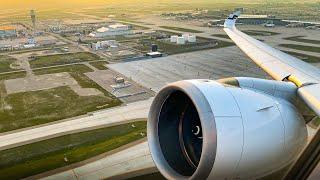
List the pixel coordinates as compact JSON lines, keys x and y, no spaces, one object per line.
{"x":102,"y":29}
{"x":115,"y":26}
{"x":154,"y":53}
{"x":253,"y":16}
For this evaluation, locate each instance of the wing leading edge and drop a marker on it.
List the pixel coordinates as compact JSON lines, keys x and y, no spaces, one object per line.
{"x":279,"y":65}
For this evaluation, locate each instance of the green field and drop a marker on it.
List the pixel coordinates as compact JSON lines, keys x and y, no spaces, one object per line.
{"x":221,"y":36}
{"x":79,"y":68}
{"x":27,"y":109}
{"x":180,"y":29}
{"x":76,"y":71}
{"x":61,"y":59}
{"x":301,"y":47}
{"x":315,"y":122}
{"x":101,"y":65}
{"x":153,"y":176}
{"x":134,"y":26}
{"x":304,"y":57}
{"x":13,"y":75}
{"x":37,"y":107}
{"x":35,"y":158}
{"x":290,"y":9}
{"x":35,"y":49}
{"x":260,"y":33}
{"x":5,"y":62}
{"x":301,"y":39}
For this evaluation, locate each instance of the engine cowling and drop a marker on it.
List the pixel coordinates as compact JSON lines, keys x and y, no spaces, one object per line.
{"x":200,"y":129}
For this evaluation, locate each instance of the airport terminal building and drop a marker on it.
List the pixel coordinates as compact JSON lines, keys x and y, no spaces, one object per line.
{"x":255,"y":20}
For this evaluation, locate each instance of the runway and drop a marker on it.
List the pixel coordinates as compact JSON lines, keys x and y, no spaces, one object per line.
{"x":135,"y":158}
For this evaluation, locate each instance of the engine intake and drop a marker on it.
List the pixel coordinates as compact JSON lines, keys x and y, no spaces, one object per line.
{"x":201,"y":129}
{"x":178,"y":137}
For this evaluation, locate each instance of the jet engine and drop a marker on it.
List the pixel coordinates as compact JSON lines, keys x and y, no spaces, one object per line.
{"x":242,"y":128}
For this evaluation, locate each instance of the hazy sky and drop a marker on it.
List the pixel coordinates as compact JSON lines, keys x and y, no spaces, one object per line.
{"x":36,"y":4}
{"x":9,"y":4}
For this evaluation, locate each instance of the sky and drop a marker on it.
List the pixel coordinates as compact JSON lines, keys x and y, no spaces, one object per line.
{"x":37,"y":4}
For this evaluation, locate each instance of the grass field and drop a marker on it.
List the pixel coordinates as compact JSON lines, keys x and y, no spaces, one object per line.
{"x":136,"y":27}
{"x":260,"y":33}
{"x":315,"y":122}
{"x":80,"y":68}
{"x":37,"y":107}
{"x":27,"y":109}
{"x":301,"y":47}
{"x":77,"y":72}
{"x":35,"y":158}
{"x":5,"y":62}
{"x":180,"y":29}
{"x":301,"y":39}
{"x":60,"y":59}
{"x":304,"y":57}
{"x":221,"y":36}
{"x":101,"y":65}
{"x":153,"y":176}
{"x":13,"y":75}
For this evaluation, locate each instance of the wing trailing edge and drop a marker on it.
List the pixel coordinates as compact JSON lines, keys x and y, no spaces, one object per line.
{"x":278,"y":65}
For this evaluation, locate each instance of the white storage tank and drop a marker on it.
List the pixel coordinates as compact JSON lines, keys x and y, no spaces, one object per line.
{"x":98,"y":45}
{"x":186,"y":36}
{"x":181,"y":40}
{"x":173,"y":39}
{"x":192,"y":38}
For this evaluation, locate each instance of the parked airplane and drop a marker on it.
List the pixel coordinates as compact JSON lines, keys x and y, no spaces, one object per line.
{"x":235,"y":128}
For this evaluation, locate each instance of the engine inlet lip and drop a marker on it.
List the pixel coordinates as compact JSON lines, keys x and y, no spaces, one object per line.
{"x":209,"y":130}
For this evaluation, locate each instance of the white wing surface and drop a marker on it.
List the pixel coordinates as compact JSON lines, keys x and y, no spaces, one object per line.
{"x":279,"y":65}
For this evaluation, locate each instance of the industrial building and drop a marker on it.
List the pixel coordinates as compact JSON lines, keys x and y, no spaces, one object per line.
{"x":105,"y":44}
{"x":183,"y":39}
{"x":154,"y":52}
{"x":294,"y":23}
{"x":8,"y":31}
{"x":174,"y":38}
{"x":260,"y":19}
{"x":111,"y":30}
{"x":255,"y":20}
{"x":268,"y":21}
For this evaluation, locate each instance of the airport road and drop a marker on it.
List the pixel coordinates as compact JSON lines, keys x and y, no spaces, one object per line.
{"x":131,"y":160}
{"x":48,"y":67}
{"x":69,"y":41}
{"x":108,"y":117}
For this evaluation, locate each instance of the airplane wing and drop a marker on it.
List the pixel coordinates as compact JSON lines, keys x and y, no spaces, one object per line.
{"x":279,"y":65}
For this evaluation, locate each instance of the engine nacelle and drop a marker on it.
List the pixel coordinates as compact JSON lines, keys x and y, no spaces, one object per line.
{"x":200,"y":129}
